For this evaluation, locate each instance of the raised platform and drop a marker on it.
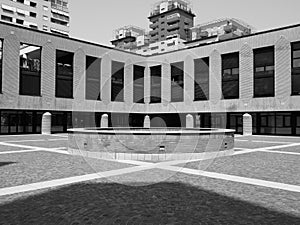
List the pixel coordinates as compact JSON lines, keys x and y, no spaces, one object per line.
{"x":154,"y":144}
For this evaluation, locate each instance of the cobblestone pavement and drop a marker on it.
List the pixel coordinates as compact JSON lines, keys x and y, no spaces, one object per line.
{"x":149,"y":193}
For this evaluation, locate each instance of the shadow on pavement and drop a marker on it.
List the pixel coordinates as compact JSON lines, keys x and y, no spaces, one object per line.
{"x":161,"y":203}
{"x":6,"y":163}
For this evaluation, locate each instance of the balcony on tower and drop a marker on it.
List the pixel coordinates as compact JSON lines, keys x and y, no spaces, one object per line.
{"x":125,"y":37}
{"x":168,"y":5}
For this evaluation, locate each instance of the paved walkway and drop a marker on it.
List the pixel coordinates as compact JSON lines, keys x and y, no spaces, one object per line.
{"x":142,"y":166}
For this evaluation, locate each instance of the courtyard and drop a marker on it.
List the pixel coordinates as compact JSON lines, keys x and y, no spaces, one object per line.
{"x":41,"y":183}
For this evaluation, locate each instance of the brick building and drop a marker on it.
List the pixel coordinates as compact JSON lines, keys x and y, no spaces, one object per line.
{"x":217,"y":83}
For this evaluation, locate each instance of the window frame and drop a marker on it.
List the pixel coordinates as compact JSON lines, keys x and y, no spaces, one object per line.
{"x":154,"y":85}
{"x":201,"y":83}
{"x":295,"y":72}
{"x":137,"y":85}
{"x":1,"y":64}
{"x":38,"y":74}
{"x":118,"y":72}
{"x":64,"y":77}
{"x":234,"y":78}
{"x":89,"y":78}
{"x":178,"y":69}
{"x":265,"y":74}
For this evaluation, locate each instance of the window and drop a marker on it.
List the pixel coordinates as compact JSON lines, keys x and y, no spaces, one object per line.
{"x":32,"y":14}
{"x":138,"y":84}
{"x":33,"y":4}
{"x":45,"y":17}
{"x":201,"y":84}
{"x":155,"y":73}
{"x":177,"y":82}
{"x":6,"y":18}
{"x":93,"y":75}
{"x":117,"y":81}
{"x":30,"y":70}
{"x":296,"y":68}
{"x":18,"y":21}
{"x":264,"y":72}
{"x":230,"y":75}
{"x":1,"y":56}
{"x":45,"y":28}
{"x":154,"y":48}
{"x":20,"y":1}
{"x":64,"y":74}
{"x":33,"y":26}
{"x":45,"y":8}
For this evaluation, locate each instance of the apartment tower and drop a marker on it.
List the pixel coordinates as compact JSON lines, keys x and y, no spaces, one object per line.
{"x":47,"y":15}
{"x":170,"y":18}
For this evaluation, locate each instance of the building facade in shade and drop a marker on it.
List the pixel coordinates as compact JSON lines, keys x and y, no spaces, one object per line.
{"x":216,"y":83}
{"x":47,"y":15}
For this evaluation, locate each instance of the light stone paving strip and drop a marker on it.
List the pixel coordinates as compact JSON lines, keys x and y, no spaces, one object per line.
{"x":20,"y":151}
{"x":70,"y":180}
{"x":280,"y":152}
{"x":37,"y":140}
{"x":244,"y":180}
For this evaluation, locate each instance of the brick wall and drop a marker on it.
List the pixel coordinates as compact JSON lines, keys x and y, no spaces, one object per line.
{"x":281,"y":39}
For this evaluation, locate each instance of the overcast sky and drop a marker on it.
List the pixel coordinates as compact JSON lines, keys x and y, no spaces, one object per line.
{"x":95,"y":20}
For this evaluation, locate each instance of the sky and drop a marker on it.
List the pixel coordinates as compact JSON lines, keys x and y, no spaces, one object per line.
{"x":95,"y":20}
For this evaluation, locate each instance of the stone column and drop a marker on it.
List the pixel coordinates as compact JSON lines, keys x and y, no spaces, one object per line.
{"x":247,"y":124}
{"x":189,"y":121}
{"x":198,"y":121}
{"x":147,"y":122}
{"x":104,"y":121}
{"x":46,"y":123}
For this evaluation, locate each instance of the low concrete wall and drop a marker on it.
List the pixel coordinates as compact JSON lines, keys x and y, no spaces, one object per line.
{"x":122,"y":145}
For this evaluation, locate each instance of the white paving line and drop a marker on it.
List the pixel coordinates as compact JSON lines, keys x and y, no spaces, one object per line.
{"x":269,"y":142}
{"x":268,"y":136}
{"x":279,"y":146}
{"x":54,"y":150}
{"x":22,"y":135}
{"x":37,"y":140}
{"x":281,"y":152}
{"x":20,"y":151}
{"x":57,"y":135}
{"x":244,"y":180}
{"x":16,"y":145}
{"x":273,"y":142}
{"x":69,"y":180}
{"x":245,"y":151}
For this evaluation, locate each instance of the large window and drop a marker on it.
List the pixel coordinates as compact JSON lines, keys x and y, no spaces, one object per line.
{"x":1,"y":56}
{"x":177,"y":82}
{"x":93,"y":74}
{"x":296,"y":68}
{"x":264,"y":72}
{"x":64,"y":74}
{"x":201,"y":83}
{"x":117,"y":81}
{"x":30,"y":70}
{"x":155,"y":72}
{"x":230,"y":76}
{"x":138,"y":84}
